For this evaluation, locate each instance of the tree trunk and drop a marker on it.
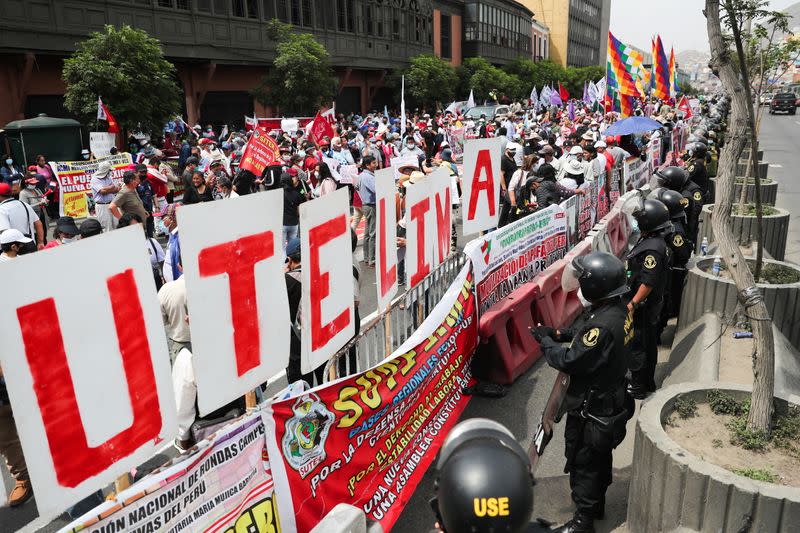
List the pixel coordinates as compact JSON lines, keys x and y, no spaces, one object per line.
{"x":764,"y":349}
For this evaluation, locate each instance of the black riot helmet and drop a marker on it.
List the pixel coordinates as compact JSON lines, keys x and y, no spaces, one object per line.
{"x":674,"y":178}
{"x":697,"y":149}
{"x":653,"y":217}
{"x":671,"y":199}
{"x":483,"y":481}
{"x":599,"y":275}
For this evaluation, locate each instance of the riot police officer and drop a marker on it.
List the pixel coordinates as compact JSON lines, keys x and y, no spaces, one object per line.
{"x":681,"y":250}
{"x":696,"y":166}
{"x":483,"y":481}
{"x":648,"y":265}
{"x":597,"y":401}
{"x":677,"y":179}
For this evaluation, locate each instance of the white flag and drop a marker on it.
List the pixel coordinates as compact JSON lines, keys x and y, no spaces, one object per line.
{"x":224,"y":133}
{"x":544,"y":96}
{"x":534,"y":95}
{"x":601,"y":90}
{"x":592,"y":92}
{"x":471,"y":100}
{"x":101,"y":110}
{"x":403,"y":107}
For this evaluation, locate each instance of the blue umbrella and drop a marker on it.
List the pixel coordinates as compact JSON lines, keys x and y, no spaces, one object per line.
{"x":631,"y":125}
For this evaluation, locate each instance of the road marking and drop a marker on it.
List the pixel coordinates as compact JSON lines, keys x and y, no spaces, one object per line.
{"x":775,"y":165}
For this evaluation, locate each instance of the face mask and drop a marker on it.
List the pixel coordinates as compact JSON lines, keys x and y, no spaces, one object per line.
{"x":301,"y":153}
{"x":410,"y":146}
{"x":286,"y":157}
{"x":161,"y":227}
{"x":31,"y":185}
{"x":86,"y":156}
{"x":67,"y":240}
{"x":9,"y":161}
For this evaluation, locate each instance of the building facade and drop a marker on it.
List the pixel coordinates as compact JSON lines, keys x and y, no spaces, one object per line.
{"x":540,"y":48}
{"x":221,"y":50}
{"x":578,"y":29}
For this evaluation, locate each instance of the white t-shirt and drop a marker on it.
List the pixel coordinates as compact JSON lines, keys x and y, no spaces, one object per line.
{"x":17,"y":215}
{"x":155,"y":251}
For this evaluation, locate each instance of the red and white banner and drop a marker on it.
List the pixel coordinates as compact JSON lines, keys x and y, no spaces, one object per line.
{"x":239,"y":325}
{"x":321,"y":127}
{"x":261,"y":151}
{"x":428,"y":219}
{"x":368,"y":439}
{"x":328,"y":299}
{"x":480,"y":185}
{"x":386,"y":281}
{"x":92,"y":394}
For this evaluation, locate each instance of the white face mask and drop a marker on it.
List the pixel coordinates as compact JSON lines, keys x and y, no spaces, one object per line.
{"x":301,"y":153}
{"x":31,"y":185}
{"x":67,"y":240}
{"x":9,"y":161}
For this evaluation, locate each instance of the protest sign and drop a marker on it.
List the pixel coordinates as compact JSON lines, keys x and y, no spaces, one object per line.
{"x":457,"y":143}
{"x":654,"y":152}
{"x":348,"y":174}
{"x":86,"y":365}
{"x":586,"y":211}
{"x":290,"y":125}
{"x":507,"y":258}
{"x":260,"y":152}
{"x":74,"y":181}
{"x":226,"y":486}
{"x":327,"y":302}
{"x":405,"y":160}
{"x":571,"y":206}
{"x":480,"y":184}
{"x":368,"y":439}
{"x":635,"y":172}
{"x":420,"y":219}
{"x":601,"y":205}
{"x":441,"y":204}
{"x":614,"y":185}
{"x":386,"y":233}
{"x":101,"y":142}
{"x":240,"y":331}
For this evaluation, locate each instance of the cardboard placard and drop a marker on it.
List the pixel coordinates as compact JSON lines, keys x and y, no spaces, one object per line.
{"x":386,"y":233}
{"x":480,"y":184}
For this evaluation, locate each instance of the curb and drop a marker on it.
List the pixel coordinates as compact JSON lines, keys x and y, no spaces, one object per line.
{"x":776,"y":230}
{"x":698,"y":348}
{"x":672,"y":488}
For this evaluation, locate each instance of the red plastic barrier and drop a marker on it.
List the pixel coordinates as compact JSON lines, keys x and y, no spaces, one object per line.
{"x":556,"y":307}
{"x":617,"y":229}
{"x":509,"y":348}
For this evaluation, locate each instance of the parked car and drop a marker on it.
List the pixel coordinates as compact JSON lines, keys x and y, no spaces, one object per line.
{"x":766,"y":98}
{"x":783,"y":102}
{"x":491,"y":111}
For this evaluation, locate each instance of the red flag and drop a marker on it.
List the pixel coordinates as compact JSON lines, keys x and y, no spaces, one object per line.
{"x":562,"y":92}
{"x":320,"y":128}
{"x":104,"y":114}
{"x":683,"y":105}
{"x":261,"y":151}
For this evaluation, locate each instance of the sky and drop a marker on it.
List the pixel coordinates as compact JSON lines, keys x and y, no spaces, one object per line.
{"x":679,"y":22}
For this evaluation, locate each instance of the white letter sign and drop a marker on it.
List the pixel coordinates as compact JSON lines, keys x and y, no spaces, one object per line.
{"x":481,"y":184}
{"x":386,"y":233}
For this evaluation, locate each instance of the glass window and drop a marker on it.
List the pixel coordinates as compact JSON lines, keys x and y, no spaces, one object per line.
{"x":220,"y":7}
{"x":395,"y":23}
{"x":445,"y":40}
{"x":184,"y":4}
{"x":351,"y":15}
{"x":370,"y":23}
{"x":283,"y":6}
{"x":165,"y":3}
{"x":269,"y":9}
{"x":204,"y":6}
{"x":341,"y":15}
{"x":295,"y":12}
{"x":252,"y":9}
{"x":238,"y":8}
{"x":471,"y":13}
{"x":308,"y":17}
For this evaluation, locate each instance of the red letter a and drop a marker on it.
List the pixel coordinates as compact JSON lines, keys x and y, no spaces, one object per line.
{"x":482,"y":164}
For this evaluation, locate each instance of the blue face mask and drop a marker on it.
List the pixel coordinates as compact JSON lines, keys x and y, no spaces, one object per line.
{"x":9,"y":161}
{"x":160,"y":227}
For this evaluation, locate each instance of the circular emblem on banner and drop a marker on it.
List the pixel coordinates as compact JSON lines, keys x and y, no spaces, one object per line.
{"x":697,"y":196}
{"x":650,"y":262}
{"x":256,"y":133}
{"x":591,"y":336}
{"x":684,"y":202}
{"x":677,"y":241}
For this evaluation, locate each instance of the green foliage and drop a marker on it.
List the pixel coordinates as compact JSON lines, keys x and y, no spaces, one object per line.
{"x":753,"y":440}
{"x":717,"y":443}
{"x":786,"y":433}
{"x":759,"y":474}
{"x":301,"y":78}
{"x":126,"y":67}
{"x":685,"y":407}
{"x":429,"y":80}
{"x":724,"y":404}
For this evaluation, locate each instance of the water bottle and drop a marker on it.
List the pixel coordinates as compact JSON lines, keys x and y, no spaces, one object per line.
{"x":717,"y":266}
{"x":704,"y":246}
{"x":743,"y":335}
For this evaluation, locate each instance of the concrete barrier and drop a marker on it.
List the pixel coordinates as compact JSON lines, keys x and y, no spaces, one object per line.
{"x":769,"y":191}
{"x":672,"y":489}
{"x":743,"y":168}
{"x":776,"y":230}
{"x":346,"y":518}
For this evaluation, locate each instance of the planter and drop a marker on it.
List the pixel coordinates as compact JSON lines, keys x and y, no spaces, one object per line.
{"x":704,"y":293}
{"x":776,"y":230}
{"x":743,"y":167}
{"x":672,"y":489}
{"x":746,"y":155}
{"x":769,"y":191}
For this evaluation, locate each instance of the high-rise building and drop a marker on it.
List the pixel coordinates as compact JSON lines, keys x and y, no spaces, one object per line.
{"x":578,"y":29}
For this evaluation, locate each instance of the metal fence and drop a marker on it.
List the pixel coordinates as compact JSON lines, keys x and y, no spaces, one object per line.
{"x":385,"y":330}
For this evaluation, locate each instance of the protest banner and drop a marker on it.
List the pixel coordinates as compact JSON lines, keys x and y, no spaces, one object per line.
{"x":405,"y":160}
{"x":179,"y":189}
{"x":91,"y":391}
{"x":239,"y":326}
{"x":441,"y":204}
{"x":320,"y":128}
{"x":386,"y":281}
{"x":368,"y":439}
{"x":614,"y":185}
{"x":635,"y":172}
{"x":260,"y":152}
{"x":480,"y":185}
{"x":601,"y":205}
{"x":101,"y":142}
{"x":290,"y":125}
{"x":586,"y":213}
{"x":225,"y":487}
{"x":509,"y":257}
{"x":74,"y":181}
{"x":456,"y":140}
{"x":327,"y":301}
{"x":348,"y":174}
{"x":420,"y":219}
{"x":571,"y":207}
{"x":654,"y":152}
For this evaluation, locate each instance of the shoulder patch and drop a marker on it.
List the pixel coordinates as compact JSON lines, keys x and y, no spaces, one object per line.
{"x":650,"y":262}
{"x":677,"y":240}
{"x":697,"y":196}
{"x":690,"y":169}
{"x":684,"y":202}
{"x":591,"y":337}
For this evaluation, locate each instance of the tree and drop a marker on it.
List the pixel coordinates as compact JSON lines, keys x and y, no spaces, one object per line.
{"x":301,"y":78}
{"x":125,"y":67}
{"x":742,"y":131}
{"x":478,"y":75}
{"x":430,"y":81}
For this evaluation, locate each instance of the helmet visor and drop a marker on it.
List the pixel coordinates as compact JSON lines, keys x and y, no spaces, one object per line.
{"x":633,"y":204}
{"x":570,"y":278}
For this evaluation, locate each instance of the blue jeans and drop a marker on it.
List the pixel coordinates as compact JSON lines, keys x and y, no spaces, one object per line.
{"x":289,"y":232}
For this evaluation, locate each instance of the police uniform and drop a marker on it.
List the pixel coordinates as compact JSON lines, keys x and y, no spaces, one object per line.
{"x":693,"y":206}
{"x":699,"y":175}
{"x":679,"y":249}
{"x":648,"y":264}
{"x":597,"y":361}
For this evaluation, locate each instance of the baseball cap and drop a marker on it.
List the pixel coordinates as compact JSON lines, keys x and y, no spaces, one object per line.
{"x":600,"y":144}
{"x":168,"y":210}
{"x":13,"y":235}
{"x":67,"y":225}
{"x":90,"y":228}
{"x":5,"y":189}
{"x":293,"y":248}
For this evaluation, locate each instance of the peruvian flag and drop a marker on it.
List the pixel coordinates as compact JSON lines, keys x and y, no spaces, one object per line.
{"x":562,"y":92}
{"x":683,"y":105}
{"x":103,"y":114}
